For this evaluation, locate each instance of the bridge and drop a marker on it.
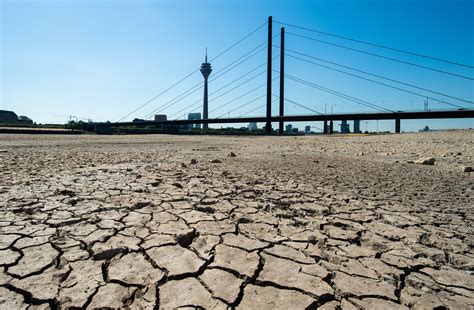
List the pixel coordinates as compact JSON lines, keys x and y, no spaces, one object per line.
{"x":458,"y":107}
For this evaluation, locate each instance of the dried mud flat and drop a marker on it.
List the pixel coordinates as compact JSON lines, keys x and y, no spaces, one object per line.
{"x":287,"y":223}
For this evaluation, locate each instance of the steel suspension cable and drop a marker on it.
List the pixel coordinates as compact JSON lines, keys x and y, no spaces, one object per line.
{"x":377,"y":82}
{"x":245,"y":104}
{"x":235,"y":87}
{"x":378,"y":45}
{"x":240,"y":96}
{"x":258,"y":46}
{"x":259,"y":107}
{"x":253,"y":110}
{"x":339,"y":94}
{"x":235,"y":99}
{"x":190,"y":74}
{"x":371,"y":74}
{"x":302,"y":106}
{"x":155,"y":97}
{"x":239,"y":41}
{"x":196,"y":87}
{"x":175,"y":100}
{"x":231,"y":101}
{"x":384,"y":57}
{"x":200,"y":100}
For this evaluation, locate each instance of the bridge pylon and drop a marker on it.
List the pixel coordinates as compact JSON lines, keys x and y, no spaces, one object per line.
{"x":282,"y":79}
{"x":268,"y":123}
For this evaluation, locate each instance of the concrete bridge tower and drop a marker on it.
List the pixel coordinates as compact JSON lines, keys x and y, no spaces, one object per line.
{"x":206,"y":70}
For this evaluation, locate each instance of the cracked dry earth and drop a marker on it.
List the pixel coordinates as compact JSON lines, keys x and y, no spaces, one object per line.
{"x":288,"y":223}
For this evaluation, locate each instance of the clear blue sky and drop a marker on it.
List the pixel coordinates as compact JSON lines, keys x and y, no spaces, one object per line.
{"x":101,"y":59}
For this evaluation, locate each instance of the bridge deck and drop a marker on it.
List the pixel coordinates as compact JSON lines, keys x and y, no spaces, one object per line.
{"x":308,"y":118}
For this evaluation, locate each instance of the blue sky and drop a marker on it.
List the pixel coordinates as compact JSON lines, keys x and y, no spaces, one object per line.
{"x":101,"y":59}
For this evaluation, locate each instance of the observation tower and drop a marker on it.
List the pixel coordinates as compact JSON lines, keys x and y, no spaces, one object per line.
{"x":206,"y":70}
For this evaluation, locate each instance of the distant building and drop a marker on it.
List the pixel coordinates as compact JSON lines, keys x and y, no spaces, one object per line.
{"x":426,"y":128}
{"x":307,"y":129}
{"x":9,"y":117}
{"x":288,"y":128}
{"x":345,"y":127}
{"x":252,"y":126}
{"x":194,"y":116}
{"x":25,"y":120}
{"x":357,"y":126}
{"x":138,"y":120}
{"x":160,"y":117}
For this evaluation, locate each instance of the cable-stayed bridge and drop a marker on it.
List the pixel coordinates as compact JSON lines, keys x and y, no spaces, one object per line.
{"x":262,"y":95}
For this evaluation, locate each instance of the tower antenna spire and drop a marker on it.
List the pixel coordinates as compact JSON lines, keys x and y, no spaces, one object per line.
{"x":206,"y":53}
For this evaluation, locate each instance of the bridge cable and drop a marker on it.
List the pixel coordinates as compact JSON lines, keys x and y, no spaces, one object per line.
{"x":235,"y":87}
{"x":169,"y":104}
{"x":245,"y":104}
{"x":246,"y":113}
{"x":339,"y":94}
{"x":190,"y":74}
{"x":260,"y":45}
{"x":243,"y":95}
{"x":197,"y":86}
{"x":253,"y":110}
{"x":239,"y":41}
{"x":384,"y":57}
{"x":344,"y":96}
{"x":231,"y":101}
{"x":303,"y":106}
{"x":155,"y":97}
{"x":227,"y":69}
{"x":377,"y":45}
{"x":235,"y":99}
{"x":240,"y":96}
{"x":373,"y":81}
{"x":200,"y":100}
{"x":368,"y":73}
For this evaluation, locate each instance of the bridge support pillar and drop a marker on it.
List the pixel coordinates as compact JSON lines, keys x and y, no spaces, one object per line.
{"x":331,"y":127}
{"x":397,"y":125}
{"x":325,"y":127}
{"x":356,"y":128}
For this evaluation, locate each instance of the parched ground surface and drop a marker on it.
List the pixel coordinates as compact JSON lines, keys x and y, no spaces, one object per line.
{"x":288,"y":223}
